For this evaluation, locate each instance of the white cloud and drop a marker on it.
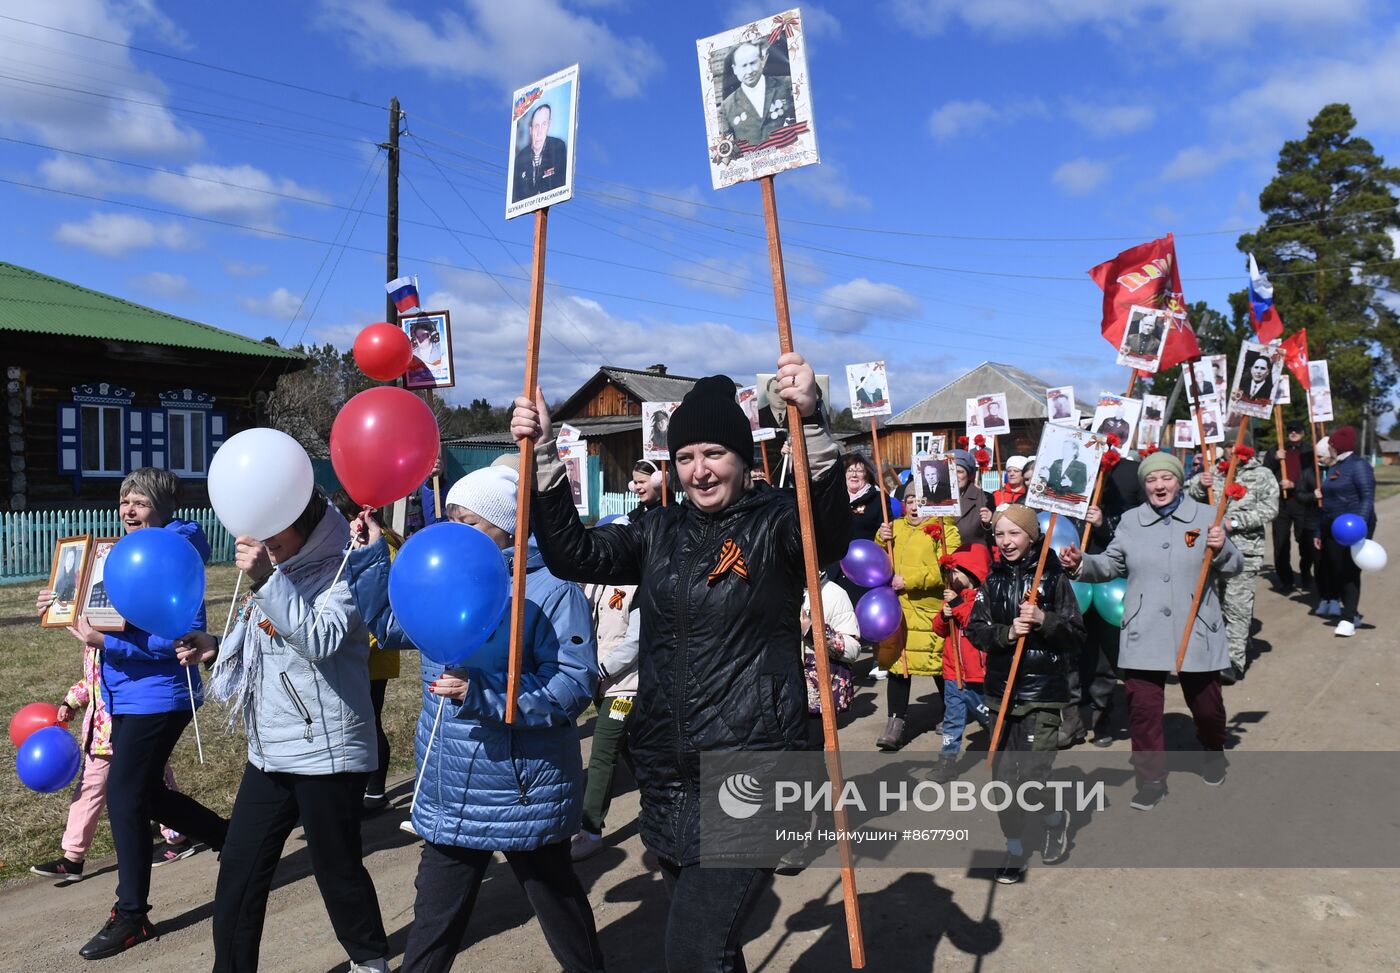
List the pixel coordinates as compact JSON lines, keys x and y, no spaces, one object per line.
{"x":240,"y":192}
{"x":281,"y":304}
{"x":1195,"y":161}
{"x":1109,"y":120}
{"x":1080,"y":176}
{"x":1195,"y":23}
{"x":79,"y":121}
{"x":66,"y":172}
{"x":161,"y":284}
{"x":958,"y":117}
{"x":117,"y":234}
{"x":827,"y":184}
{"x":504,"y":44}
{"x":853,"y":305}
{"x":239,"y":268}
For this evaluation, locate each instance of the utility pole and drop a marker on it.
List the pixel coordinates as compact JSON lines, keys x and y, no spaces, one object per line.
{"x":391,"y":249}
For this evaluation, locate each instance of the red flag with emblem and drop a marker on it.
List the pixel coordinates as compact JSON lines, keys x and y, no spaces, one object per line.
{"x":1146,"y":275}
{"x":1295,"y":356}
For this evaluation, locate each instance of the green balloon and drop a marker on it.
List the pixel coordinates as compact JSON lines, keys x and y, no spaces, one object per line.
{"x":1084,"y":594}
{"x":1108,"y":600}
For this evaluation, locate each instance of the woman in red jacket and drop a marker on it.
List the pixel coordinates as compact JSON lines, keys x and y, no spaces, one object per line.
{"x":964,"y":665}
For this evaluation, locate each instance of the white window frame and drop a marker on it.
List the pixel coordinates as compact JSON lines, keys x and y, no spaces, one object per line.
{"x":87,"y":467}
{"x":190,"y":416}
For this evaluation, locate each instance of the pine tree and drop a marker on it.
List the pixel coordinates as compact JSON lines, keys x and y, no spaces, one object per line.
{"x":1325,"y":245}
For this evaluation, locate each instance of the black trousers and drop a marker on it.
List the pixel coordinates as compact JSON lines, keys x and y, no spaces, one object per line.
{"x":379,"y":778}
{"x":1093,"y":682}
{"x":1292,"y":520}
{"x":266,"y":809}
{"x":705,"y":924}
{"x":1342,"y":576}
{"x":448,"y":881}
{"x":136,"y":793}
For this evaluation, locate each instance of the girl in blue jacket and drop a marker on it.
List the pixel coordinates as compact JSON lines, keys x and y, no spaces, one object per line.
{"x":487,"y":786}
{"x":147,"y":694}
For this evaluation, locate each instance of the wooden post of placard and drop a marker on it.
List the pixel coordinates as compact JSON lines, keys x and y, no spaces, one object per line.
{"x":802,"y":476}
{"x":525,"y":486}
{"x":1279,"y":438}
{"x":1317,"y":468}
{"x":879,"y":480}
{"x":1190,"y":367}
{"x":437,"y":496}
{"x":665,"y":485}
{"x":1021,"y":642}
{"x":1093,"y":502}
{"x":1208,"y":556}
{"x":763,"y":451}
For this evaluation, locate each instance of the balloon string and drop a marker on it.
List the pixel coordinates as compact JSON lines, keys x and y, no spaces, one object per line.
{"x":233,"y":604}
{"x":199,"y":744}
{"x":338,"y":571}
{"x":426,"y":752}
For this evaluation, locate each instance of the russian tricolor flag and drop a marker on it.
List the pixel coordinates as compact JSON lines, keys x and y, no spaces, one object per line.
{"x":403,"y":292}
{"x":1267,"y":324}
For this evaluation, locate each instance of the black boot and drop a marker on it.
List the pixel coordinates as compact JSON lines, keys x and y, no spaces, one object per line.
{"x":1071,"y":728}
{"x":893,"y":737}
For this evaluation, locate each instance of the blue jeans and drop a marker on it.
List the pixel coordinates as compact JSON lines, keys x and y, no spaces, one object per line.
{"x":958,"y":705}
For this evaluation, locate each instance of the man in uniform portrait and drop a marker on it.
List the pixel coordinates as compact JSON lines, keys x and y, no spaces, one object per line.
{"x":761,"y":104}
{"x":544,"y":163}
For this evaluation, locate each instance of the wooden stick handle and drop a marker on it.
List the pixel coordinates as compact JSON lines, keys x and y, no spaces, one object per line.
{"x":1190,"y":367}
{"x":665,"y":485}
{"x":879,"y":480}
{"x":1132,"y":384}
{"x":807,"y":528}
{"x":763,"y":451}
{"x":1279,"y":439}
{"x":525,"y":486}
{"x":437,"y":497}
{"x":1021,"y":642}
{"x":1093,"y":502}
{"x":1208,"y":556}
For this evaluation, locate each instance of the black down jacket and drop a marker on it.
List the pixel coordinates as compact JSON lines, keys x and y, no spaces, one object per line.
{"x":720,"y":667}
{"x":1052,"y":649}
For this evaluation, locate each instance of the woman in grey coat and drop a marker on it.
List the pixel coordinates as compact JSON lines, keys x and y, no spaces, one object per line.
{"x":1159,"y":547}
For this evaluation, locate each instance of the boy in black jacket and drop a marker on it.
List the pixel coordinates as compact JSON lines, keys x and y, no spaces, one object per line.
{"x":1054,"y":631}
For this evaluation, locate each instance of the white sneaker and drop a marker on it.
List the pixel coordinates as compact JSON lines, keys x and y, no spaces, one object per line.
{"x":879,"y":674}
{"x":586,"y":844}
{"x":406,"y":826}
{"x":370,"y":966}
{"x":1346,"y":629}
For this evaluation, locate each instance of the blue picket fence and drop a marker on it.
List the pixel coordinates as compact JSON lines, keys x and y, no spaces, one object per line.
{"x":27,"y":538}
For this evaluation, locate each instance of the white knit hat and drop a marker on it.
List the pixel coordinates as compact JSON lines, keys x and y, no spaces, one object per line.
{"x":490,"y":494}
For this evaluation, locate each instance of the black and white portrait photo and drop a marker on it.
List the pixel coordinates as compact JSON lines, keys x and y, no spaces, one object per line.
{"x":1253,"y":392}
{"x":1143,"y":338}
{"x":544,"y":120}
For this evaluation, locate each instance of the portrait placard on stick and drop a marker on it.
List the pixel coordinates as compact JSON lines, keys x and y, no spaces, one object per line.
{"x":1283,"y":392}
{"x":656,"y":420}
{"x":430,"y":333}
{"x":869,"y":388}
{"x":70,"y":558}
{"x":1141,"y":346}
{"x":1212,"y":421}
{"x":986,"y":415}
{"x":1320,"y":404}
{"x":1318,"y":375}
{"x":936,"y":486}
{"x":747,"y":397}
{"x":1066,"y":467}
{"x":574,"y":456}
{"x":94,"y":605}
{"x":1060,"y":407}
{"x":543,"y":130}
{"x":1116,"y":415}
{"x":1184,"y":434}
{"x":1253,"y":392}
{"x":927,"y":442}
{"x":758,"y":104}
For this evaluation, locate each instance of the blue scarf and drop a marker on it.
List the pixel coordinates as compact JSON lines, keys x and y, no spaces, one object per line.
{"x":1166,"y":511}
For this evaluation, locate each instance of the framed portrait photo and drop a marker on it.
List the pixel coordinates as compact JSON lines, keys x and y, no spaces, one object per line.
{"x":1253,"y":391}
{"x":1116,"y":415}
{"x":757,"y":101}
{"x":747,"y":397}
{"x":928,"y":443}
{"x":1066,"y":467}
{"x":430,"y":334}
{"x":936,"y":486}
{"x":574,"y":456}
{"x":986,"y":415}
{"x":1060,"y":407}
{"x":1143,"y":338}
{"x":1318,"y":375}
{"x":1320,"y":405}
{"x":1184,"y":434}
{"x":869,"y":387}
{"x":543,"y":132}
{"x":94,"y":603}
{"x":70,"y":558}
{"x":656,"y":424}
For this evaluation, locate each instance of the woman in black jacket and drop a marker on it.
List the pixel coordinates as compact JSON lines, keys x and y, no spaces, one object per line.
{"x":1053,"y":628}
{"x":720,"y":580}
{"x":867,"y":514}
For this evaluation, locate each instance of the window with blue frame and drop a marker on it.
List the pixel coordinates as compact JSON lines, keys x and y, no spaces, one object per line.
{"x":101,"y":433}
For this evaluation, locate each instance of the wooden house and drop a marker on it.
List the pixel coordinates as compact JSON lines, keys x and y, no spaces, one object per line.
{"x":96,"y":386}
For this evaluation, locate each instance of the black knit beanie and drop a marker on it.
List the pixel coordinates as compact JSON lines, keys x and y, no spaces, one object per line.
{"x":709,"y":414}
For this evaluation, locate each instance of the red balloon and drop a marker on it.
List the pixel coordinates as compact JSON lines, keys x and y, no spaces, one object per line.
{"x":33,"y":717}
{"x":384,"y":443}
{"x":383,"y":352}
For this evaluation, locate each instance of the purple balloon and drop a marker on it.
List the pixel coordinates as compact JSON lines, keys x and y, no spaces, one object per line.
{"x":879,"y":614}
{"x":867,"y":564}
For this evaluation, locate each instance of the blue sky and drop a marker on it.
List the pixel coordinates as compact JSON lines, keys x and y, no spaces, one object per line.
{"x":978,"y":158}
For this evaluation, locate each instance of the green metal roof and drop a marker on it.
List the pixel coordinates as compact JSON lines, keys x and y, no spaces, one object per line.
{"x":40,"y":304}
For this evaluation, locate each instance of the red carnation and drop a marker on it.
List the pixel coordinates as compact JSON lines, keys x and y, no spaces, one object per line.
{"x":934,"y":529}
{"x":1150,"y":448}
{"x":1113,"y":441}
{"x":962,"y":442}
{"x":1244,"y":453}
{"x":947,"y":562}
{"x":1236,"y":491}
{"x":1110,"y":459}
{"x":983,"y":458}
{"x":1223,"y":466}
{"x":979,"y":441}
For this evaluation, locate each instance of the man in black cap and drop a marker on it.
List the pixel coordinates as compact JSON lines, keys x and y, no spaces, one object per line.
{"x":1297,"y":512}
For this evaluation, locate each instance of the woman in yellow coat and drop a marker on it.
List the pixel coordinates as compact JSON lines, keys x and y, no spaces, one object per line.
{"x":919,"y":544}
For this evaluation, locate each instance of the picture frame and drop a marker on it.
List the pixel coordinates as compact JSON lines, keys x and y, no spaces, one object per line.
{"x":430,"y":334}
{"x":931,"y":443}
{"x":1283,"y":389}
{"x":869,"y":388}
{"x":1184,"y":434}
{"x":574,"y":456}
{"x":1319,"y":375}
{"x":656,"y":421}
{"x":1149,"y":433}
{"x":1066,"y":468}
{"x":1060,"y":406}
{"x":776,"y":419}
{"x":1144,"y":337}
{"x":1212,"y":423}
{"x":1253,"y":391}
{"x":987,"y":415}
{"x":1320,"y":405}
{"x":543,"y":143}
{"x":94,"y":604}
{"x":747,"y":397}
{"x":66,"y":576}
{"x":1116,"y":415}
{"x":760,"y":63}
{"x":935,"y":486}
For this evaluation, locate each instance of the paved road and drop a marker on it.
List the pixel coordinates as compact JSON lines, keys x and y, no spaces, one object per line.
{"x":1308,"y":691}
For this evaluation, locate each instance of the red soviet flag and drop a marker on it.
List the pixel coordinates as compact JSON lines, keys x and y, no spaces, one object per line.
{"x":1295,"y":356}
{"x":1146,"y":275}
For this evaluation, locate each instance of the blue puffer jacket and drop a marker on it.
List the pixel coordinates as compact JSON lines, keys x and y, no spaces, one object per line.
{"x":485,"y":784}
{"x":140,"y":674}
{"x":1349,"y":487}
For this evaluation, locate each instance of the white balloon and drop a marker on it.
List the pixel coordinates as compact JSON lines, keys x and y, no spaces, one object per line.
{"x":1368,"y":555}
{"x":259,"y":483}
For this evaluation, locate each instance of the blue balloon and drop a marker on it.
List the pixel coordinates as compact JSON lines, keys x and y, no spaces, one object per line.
{"x":896,"y":508}
{"x":1348,"y":529}
{"x":611,"y":519}
{"x":1065,"y":534}
{"x":449,"y":589}
{"x":155,"y":580}
{"x":1084,"y":594}
{"x":48,"y":759}
{"x":904,"y":475}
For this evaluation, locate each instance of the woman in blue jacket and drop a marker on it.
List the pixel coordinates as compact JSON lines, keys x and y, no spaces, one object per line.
{"x":148,"y":694}
{"x":488,"y":786}
{"x":1349,"y":487}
